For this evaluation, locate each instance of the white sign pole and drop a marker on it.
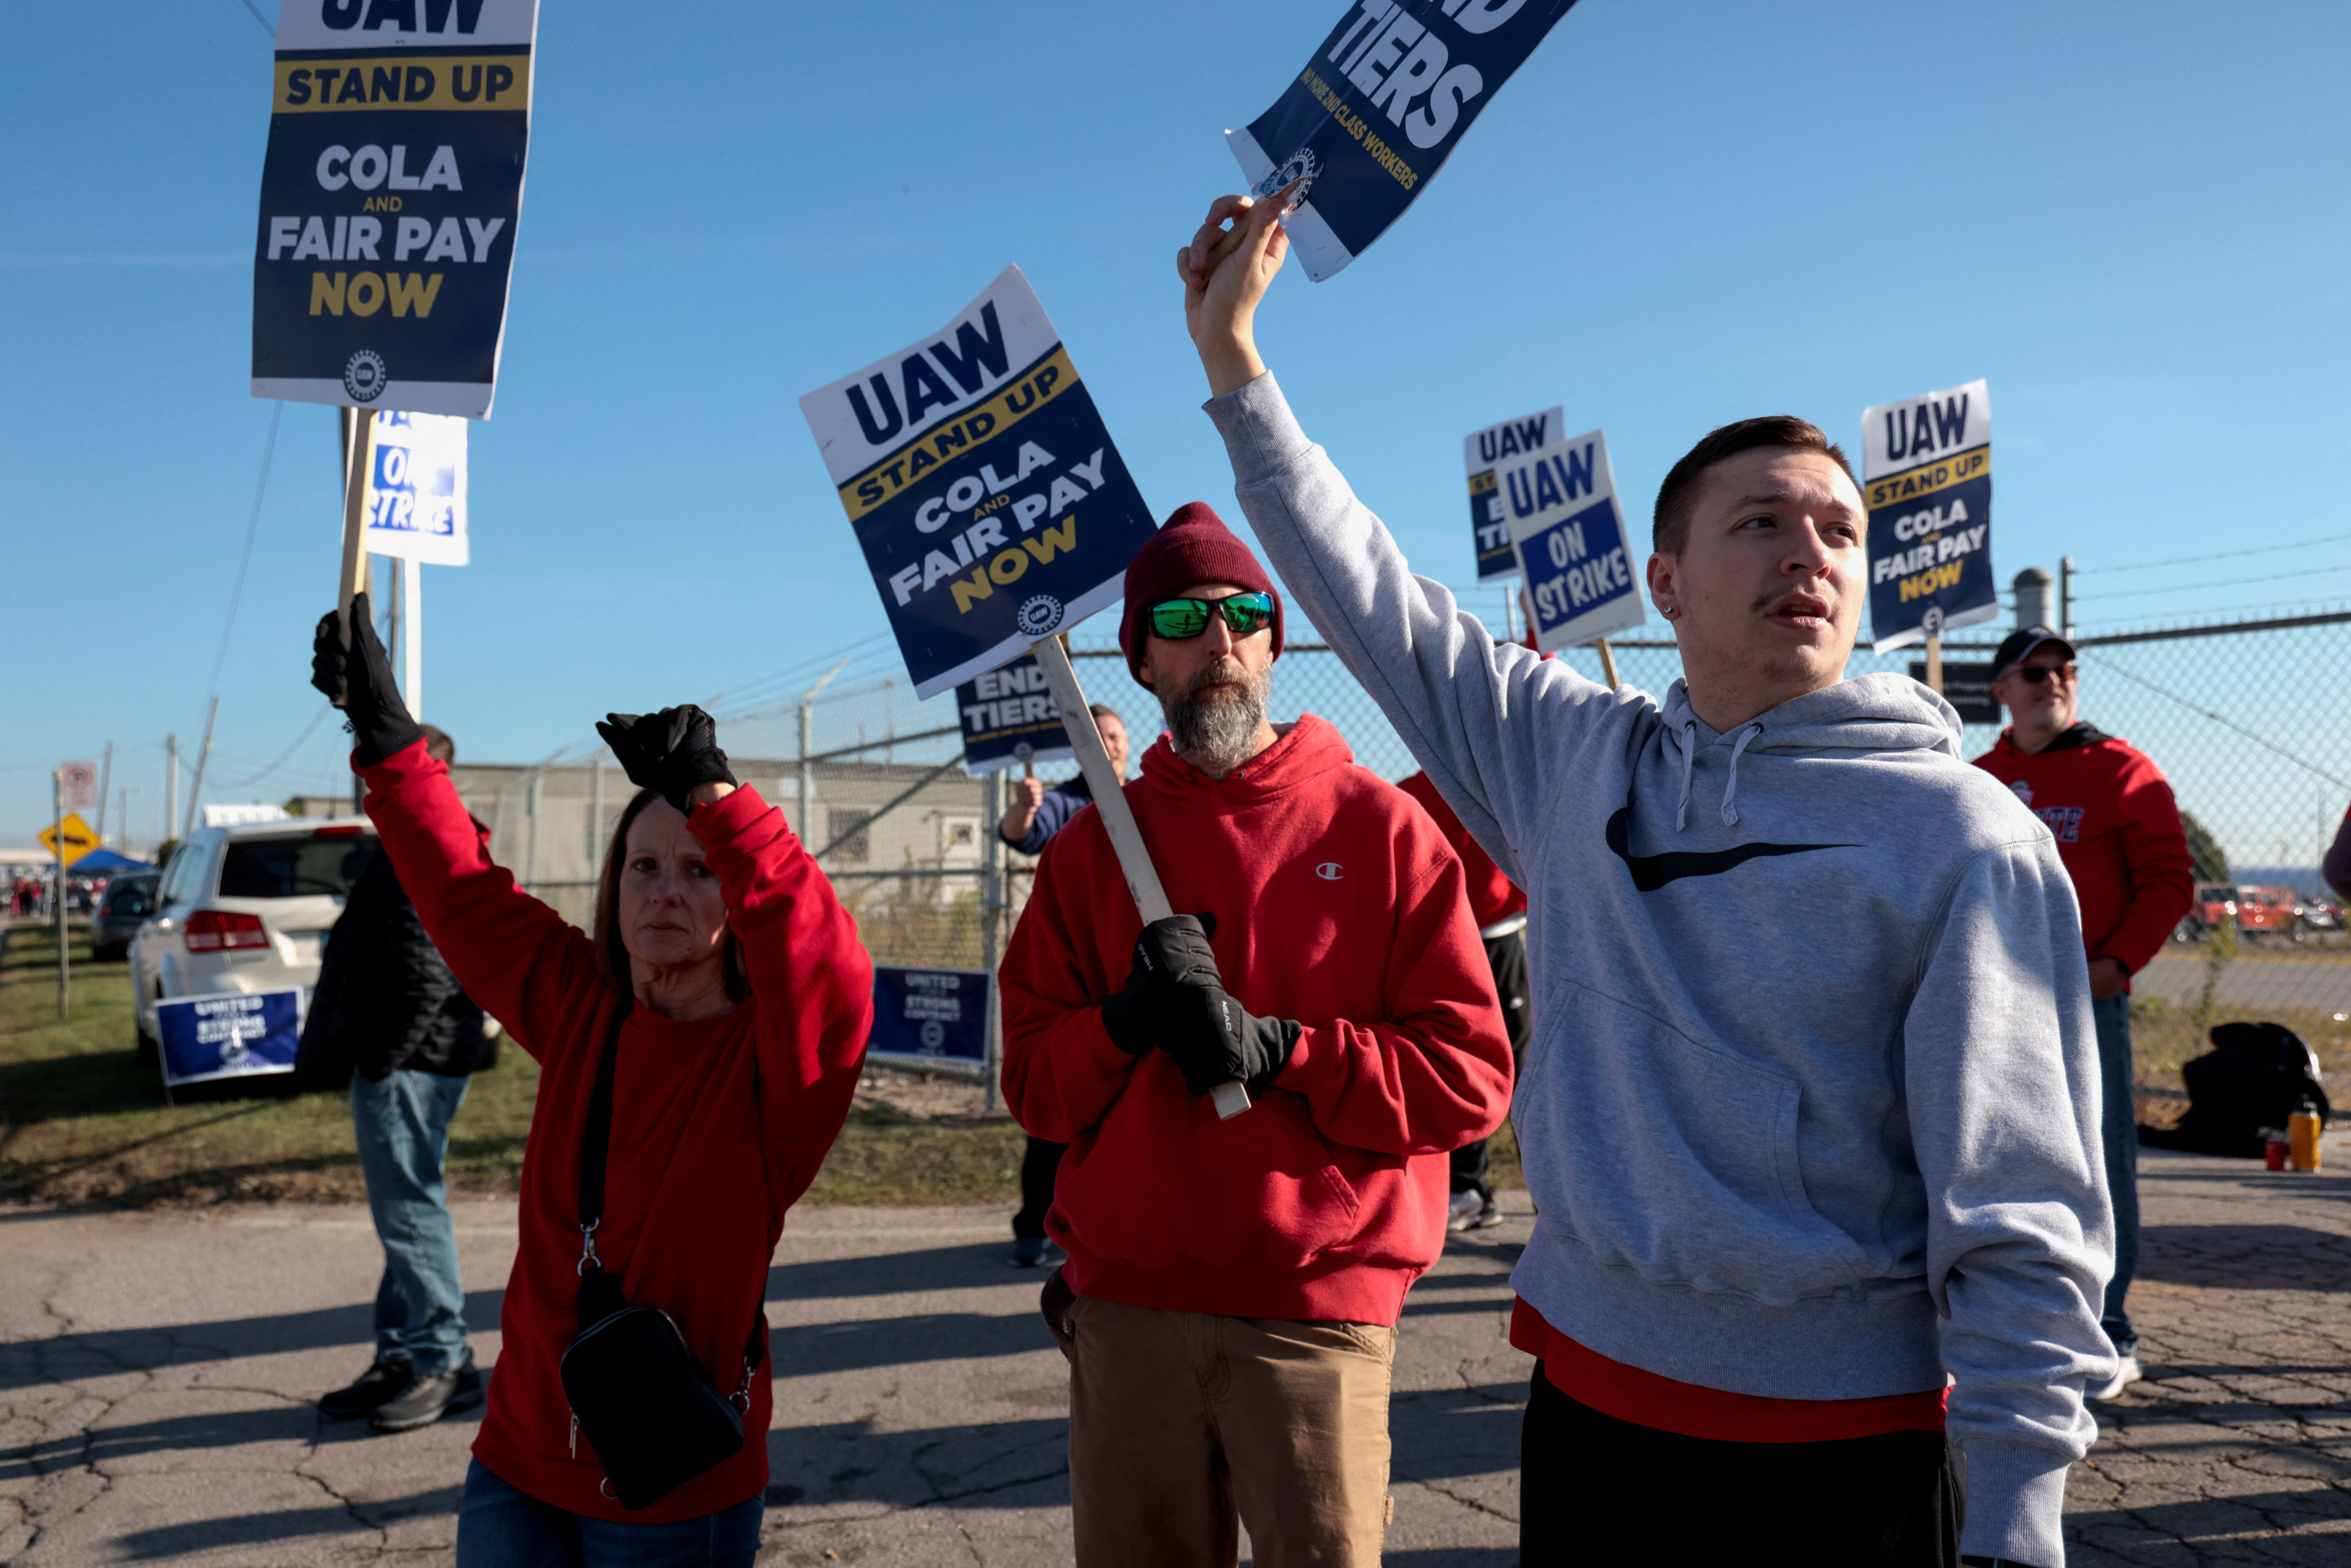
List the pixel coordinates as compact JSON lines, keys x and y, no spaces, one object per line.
{"x":412,"y":635}
{"x":1118,"y":817}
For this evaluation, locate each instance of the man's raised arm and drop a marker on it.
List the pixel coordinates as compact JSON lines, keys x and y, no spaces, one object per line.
{"x":1431,"y":666}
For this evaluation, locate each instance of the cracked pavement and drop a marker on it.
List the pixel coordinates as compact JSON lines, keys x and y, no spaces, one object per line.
{"x":157,"y":1373}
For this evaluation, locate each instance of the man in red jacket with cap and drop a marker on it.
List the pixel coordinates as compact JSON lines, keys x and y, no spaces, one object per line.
{"x":1230,"y":1300}
{"x":2117,"y":830}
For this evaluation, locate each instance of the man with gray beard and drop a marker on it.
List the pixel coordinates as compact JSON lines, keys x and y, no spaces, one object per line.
{"x":1230,"y":1303}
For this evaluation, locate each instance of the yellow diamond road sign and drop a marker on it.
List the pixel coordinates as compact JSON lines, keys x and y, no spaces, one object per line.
{"x":77,"y":838}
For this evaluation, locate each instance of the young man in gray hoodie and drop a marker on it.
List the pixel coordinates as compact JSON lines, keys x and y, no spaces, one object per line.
{"x":1810,"y":1118}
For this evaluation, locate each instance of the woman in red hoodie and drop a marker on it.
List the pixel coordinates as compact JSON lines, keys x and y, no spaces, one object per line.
{"x":741,"y":1000}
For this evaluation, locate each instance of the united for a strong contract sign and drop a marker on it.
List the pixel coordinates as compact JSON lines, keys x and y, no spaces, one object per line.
{"x":388,"y":199}
{"x":1378,"y":110}
{"x":992,"y":507}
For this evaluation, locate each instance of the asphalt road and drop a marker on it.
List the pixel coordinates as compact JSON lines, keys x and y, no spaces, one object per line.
{"x":156,"y":1374}
{"x":2259,"y":980}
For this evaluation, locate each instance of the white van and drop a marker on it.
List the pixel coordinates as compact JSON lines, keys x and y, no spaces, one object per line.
{"x":244,"y":909}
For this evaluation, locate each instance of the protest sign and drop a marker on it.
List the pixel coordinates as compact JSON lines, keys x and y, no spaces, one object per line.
{"x":933,"y":1015}
{"x":229,"y":1036}
{"x":1967,"y":688}
{"x":1008,"y":717}
{"x":416,"y":490}
{"x":390,"y":195}
{"x":992,"y":506}
{"x":1488,"y":527}
{"x":1926,"y":477}
{"x":1583,"y":582}
{"x":1379,"y":108}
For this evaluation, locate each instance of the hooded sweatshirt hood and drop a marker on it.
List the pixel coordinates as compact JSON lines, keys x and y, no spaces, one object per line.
{"x":1869,"y":714}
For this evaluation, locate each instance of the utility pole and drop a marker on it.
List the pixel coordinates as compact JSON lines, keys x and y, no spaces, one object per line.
{"x":105,"y":786}
{"x":204,"y":755}
{"x":170,"y":782}
{"x":596,"y":818}
{"x":57,"y":815}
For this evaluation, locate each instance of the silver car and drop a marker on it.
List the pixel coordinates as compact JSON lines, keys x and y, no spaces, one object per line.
{"x":244,"y":909}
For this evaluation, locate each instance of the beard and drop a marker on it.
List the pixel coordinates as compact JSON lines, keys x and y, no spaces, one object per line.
{"x":1214,"y":729}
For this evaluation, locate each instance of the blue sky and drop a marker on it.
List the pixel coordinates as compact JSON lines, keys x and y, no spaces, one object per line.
{"x":2133,"y":221}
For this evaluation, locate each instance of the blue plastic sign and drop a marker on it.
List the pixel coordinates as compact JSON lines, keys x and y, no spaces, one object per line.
{"x":1926,"y":477}
{"x":1379,"y":108}
{"x":1582,"y":576}
{"x":938,"y":1014}
{"x":992,"y":506}
{"x":416,"y":496}
{"x":1010,"y":717}
{"x":231,"y":1035}
{"x":390,"y":195}
{"x":1490,"y":527}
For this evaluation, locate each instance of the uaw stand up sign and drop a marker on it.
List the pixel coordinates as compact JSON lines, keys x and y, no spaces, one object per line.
{"x":1926,"y":477}
{"x":388,"y":199}
{"x":1378,"y":110}
{"x":1489,"y":523}
{"x":990,"y":502}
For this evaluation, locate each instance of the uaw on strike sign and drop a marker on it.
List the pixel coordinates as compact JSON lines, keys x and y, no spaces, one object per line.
{"x":388,"y":199}
{"x":1379,"y":108}
{"x":1580,"y":572}
{"x":1926,"y":477}
{"x":992,"y":507}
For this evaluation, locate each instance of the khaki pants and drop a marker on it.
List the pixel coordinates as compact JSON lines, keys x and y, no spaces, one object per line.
{"x":1184,"y":1424}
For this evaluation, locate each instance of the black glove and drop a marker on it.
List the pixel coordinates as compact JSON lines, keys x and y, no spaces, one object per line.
{"x":1168,"y":951}
{"x":359,"y":678}
{"x":672,"y":751}
{"x":1215,"y":1041}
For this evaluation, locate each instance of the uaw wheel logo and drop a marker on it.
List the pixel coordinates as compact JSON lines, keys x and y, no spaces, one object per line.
{"x":1299,"y":165}
{"x":1040,"y":614}
{"x":1024,"y":752}
{"x":363,"y":377}
{"x":935,"y":1035}
{"x":1932,"y":621}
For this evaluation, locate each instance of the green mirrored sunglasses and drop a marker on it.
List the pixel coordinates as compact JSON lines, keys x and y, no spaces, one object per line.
{"x":1178,"y":619}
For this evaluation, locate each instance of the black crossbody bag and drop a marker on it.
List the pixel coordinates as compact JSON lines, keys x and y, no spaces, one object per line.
{"x":655,"y":1418}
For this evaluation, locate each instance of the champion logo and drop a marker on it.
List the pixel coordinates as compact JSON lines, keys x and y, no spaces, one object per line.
{"x":1330,"y":871}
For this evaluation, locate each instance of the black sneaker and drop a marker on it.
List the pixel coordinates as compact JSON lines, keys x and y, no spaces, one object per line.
{"x":378,"y":1386}
{"x":426,"y":1399}
{"x":1033,"y":1252}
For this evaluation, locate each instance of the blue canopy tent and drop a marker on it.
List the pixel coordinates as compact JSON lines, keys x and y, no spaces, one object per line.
{"x":108,"y":861}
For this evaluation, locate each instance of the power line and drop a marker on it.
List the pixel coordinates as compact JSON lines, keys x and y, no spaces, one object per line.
{"x":252,"y":526}
{"x":284,"y":756}
{"x":2223,"y":555}
{"x":2224,"y":582}
{"x":262,"y":20}
{"x":2226,"y":722}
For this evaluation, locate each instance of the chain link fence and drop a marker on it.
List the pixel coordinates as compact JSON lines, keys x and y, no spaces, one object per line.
{"x":2250,"y":720}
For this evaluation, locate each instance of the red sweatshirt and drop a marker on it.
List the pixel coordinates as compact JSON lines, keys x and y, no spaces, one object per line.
{"x":1492,"y":896}
{"x":2117,"y":830}
{"x":717,"y":1125}
{"x":1338,"y":905}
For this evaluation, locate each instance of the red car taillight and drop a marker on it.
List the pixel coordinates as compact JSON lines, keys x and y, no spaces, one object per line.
{"x":216,"y":930}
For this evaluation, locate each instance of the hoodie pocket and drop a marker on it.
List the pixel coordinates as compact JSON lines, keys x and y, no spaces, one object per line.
{"x":1674,"y":1159}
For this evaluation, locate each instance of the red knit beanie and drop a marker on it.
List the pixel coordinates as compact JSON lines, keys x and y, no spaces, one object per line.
{"x":1191,"y":548}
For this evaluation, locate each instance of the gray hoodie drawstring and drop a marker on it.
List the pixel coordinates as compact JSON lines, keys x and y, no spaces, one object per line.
{"x":1730,"y":791}
{"x":1689,"y":761}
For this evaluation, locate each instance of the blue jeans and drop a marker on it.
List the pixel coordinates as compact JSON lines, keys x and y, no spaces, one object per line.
{"x":403,"y":1124}
{"x":2118,"y":1121}
{"x":500,"y":1527}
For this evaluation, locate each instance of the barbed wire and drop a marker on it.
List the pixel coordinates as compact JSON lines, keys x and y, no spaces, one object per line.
{"x":2218,"y":555}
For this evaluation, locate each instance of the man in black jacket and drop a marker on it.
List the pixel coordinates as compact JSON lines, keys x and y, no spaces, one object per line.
{"x":389,"y":1016}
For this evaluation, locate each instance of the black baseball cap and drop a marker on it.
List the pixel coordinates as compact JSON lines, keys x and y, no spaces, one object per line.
{"x":2019,"y":647}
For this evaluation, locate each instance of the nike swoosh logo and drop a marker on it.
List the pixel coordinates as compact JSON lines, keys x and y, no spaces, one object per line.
{"x":1651,"y":873}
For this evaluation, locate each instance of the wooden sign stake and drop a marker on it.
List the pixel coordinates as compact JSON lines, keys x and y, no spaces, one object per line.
{"x":358,"y":463}
{"x":1608,"y":662}
{"x":1118,"y":817}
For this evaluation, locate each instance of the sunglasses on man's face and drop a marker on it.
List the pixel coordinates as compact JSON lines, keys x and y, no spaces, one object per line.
{"x":2033,"y":674}
{"x":1181,"y":619}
